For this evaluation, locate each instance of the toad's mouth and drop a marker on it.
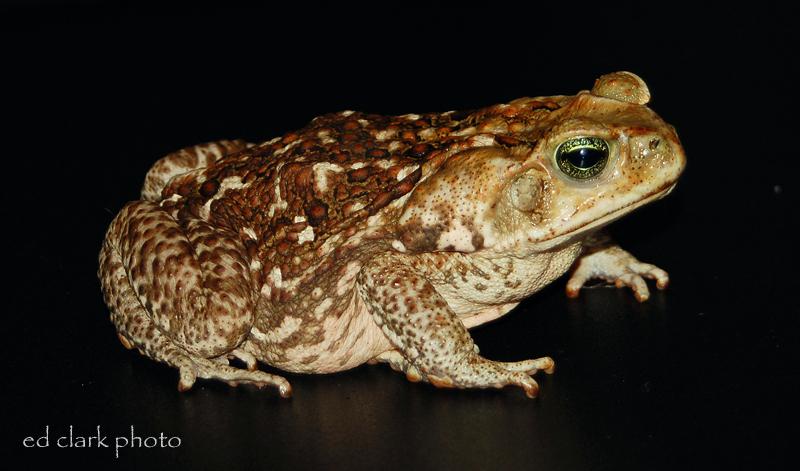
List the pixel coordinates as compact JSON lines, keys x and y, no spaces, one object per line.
{"x":573,"y":232}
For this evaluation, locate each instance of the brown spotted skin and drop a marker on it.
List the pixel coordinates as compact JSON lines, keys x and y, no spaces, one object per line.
{"x":185,"y":160}
{"x":418,"y":320}
{"x":364,"y":238}
{"x":178,"y":294}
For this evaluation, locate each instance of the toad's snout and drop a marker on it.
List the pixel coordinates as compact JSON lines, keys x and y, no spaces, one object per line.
{"x":657,"y":156}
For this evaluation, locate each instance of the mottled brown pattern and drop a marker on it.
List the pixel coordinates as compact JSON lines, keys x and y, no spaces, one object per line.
{"x":185,"y":160}
{"x":347,"y":140}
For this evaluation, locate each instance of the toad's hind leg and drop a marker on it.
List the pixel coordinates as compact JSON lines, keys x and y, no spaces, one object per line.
{"x":152,"y":342}
{"x":181,"y":295}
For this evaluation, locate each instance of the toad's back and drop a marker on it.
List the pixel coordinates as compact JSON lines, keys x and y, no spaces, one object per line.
{"x":296,"y":199}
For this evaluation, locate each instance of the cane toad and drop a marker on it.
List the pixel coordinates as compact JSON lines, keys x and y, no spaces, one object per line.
{"x":364,"y":238}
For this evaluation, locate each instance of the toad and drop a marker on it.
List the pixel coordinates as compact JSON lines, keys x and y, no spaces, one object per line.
{"x":364,"y":238}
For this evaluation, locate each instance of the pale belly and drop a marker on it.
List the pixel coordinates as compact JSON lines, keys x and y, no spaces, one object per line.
{"x":484,"y":289}
{"x":340,"y":344}
{"x":351,"y":339}
{"x":489,"y":314}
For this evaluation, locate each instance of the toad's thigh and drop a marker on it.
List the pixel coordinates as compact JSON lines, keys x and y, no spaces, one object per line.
{"x":192,"y":280}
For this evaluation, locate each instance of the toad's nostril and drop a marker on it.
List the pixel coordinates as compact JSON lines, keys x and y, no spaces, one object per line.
{"x":654,"y":143}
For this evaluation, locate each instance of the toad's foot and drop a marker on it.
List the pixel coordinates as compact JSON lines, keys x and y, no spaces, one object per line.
{"x":396,"y":360}
{"x":246,"y":357}
{"x":192,"y":368}
{"x":531,"y":367}
{"x":157,"y":345}
{"x":617,"y":266}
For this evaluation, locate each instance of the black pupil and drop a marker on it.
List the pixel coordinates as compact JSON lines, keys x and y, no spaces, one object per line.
{"x":585,"y":157}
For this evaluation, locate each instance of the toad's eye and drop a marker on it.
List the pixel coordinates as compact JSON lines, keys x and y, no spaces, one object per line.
{"x":582,"y":157}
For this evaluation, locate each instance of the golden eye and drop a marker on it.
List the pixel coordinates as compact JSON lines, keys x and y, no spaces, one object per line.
{"x":582,"y":157}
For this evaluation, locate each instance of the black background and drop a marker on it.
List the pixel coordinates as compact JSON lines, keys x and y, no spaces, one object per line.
{"x":701,"y":376}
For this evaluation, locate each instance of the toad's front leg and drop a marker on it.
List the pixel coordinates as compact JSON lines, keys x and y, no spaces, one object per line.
{"x":607,"y":261}
{"x":431,"y":340}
